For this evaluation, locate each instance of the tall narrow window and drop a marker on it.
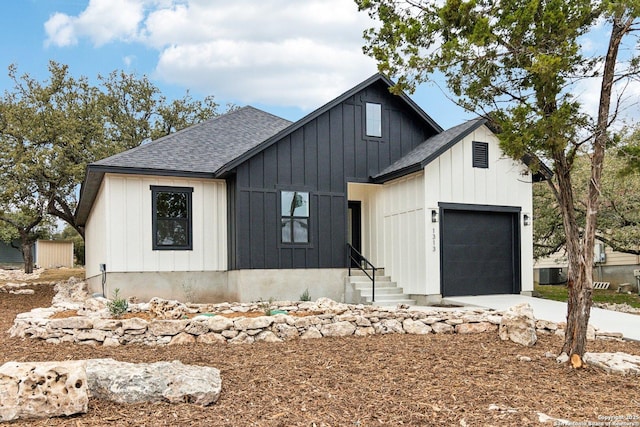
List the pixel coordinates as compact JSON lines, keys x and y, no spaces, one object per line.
{"x":480,"y":154}
{"x":374,"y":120}
{"x":295,"y":216}
{"x":172,"y":218}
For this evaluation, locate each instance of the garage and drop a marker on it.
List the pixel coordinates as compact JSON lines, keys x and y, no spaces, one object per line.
{"x":480,"y":249}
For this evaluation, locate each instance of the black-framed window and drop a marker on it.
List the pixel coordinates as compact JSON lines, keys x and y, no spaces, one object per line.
{"x":373,"y":119}
{"x":294,"y":214}
{"x":480,"y":154}
{"x":172,"y":218}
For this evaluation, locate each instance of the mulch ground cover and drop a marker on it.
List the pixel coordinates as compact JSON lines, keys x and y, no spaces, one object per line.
{"x":432,"y":380}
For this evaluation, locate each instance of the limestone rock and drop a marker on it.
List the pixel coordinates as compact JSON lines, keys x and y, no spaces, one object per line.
{"x":242,"y":338}
{"x":123,"y":382}
{"x":267,"y":336}
{"x":311,"y":333}
{"x":182,"y":338}
{"x":338,"y":329}
{"x":519,"y":325}
{"x":286,"y":332}
{"x":328,"y":305}
{"x":47,"y":389}
{"x":546,"y":324}
{"x":167,"y":327}
{"x":219,"y":323}
{"x":107,"y":324}
{"x":91,"y":335}
{"x":364,"y":331}
{"x":71,"y":323}
{"x":475,"y":328}
{"x":388,"y":326}
{"x":134,"y":324}
{"x":167,"y":309}
{"x":618,"y":363}
{"x":306,"y":322}
{"x":415,"y":327}
{"x":244,"y":323}
{"x":211,"y":338}
{"x":442,"y":328}
{"x":73,"y":290}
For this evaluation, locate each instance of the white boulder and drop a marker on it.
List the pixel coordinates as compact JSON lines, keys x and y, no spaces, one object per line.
{"x":173,"y":382}
{"x":519,"y":325}
{"x":46,"y":389}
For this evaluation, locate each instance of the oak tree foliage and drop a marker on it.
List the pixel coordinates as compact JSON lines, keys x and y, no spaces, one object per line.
{"x":51,"y":130}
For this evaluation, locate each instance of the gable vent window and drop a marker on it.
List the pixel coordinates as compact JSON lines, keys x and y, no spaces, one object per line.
{"x":374,"y":120}
{"x":480,"y":154}
{"x":172,"y":217}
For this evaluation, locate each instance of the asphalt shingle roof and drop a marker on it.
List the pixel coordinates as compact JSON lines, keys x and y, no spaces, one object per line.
{"x":430,"y":149}
{"x":204,"y":147}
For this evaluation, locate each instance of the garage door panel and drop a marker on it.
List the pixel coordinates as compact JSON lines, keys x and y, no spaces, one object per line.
{"x":479,"y":252}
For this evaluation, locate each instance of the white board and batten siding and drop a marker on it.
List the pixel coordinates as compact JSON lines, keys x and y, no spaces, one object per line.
{"x":405,"y":232}
{"x":393,"y":224}
{"x":119,"y":228}
{"x":451,"y":178}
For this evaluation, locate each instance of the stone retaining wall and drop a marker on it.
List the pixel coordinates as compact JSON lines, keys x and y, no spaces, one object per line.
{"x":304,"y":320}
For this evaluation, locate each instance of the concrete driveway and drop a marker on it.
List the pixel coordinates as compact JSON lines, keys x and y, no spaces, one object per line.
{"x":604,"y":320}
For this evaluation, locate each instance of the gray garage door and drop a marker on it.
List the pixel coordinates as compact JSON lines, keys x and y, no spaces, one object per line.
{"x":480,"y":252}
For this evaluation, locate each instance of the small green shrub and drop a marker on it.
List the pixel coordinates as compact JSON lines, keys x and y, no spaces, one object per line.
{"x":305,"y":295}
{"x":265,"y":306}
{"x":118,"y":305}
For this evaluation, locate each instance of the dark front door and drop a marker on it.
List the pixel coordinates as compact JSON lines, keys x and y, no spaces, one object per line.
{"x":480,"y":252}
{"x":354,"y":225}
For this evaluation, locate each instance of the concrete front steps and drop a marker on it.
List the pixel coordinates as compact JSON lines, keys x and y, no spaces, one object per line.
{"x":387,"y":292}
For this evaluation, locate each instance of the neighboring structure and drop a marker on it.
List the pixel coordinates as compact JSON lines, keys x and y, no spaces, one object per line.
{"x":248,"y":205}
{"x":10,"y":257}
{"x":609,"y":266}
{"x":46,"y":254}
{"x":54,"y":253}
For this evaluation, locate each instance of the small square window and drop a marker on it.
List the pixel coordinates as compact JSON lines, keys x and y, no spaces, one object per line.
{"x":294,"y":213}
{"x":373,"y":120}
{"x":480,"y":154}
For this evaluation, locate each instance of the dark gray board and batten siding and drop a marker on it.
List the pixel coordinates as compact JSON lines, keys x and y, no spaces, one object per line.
{"x":319,"y":157}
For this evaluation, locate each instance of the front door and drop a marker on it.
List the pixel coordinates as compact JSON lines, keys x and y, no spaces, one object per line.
{"x":354,"y":225}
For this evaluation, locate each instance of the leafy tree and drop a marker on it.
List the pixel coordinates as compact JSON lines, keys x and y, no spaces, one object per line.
{"x":516,"y":61}
{"x":64,"y":123}
{"x":618,"y":219}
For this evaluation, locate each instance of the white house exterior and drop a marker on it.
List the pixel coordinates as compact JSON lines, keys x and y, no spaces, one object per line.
{"x":398,"y":188}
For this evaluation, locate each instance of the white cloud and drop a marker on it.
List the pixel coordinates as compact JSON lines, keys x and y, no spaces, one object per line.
{"x":103,"y":21}
{"x":278,"y":52}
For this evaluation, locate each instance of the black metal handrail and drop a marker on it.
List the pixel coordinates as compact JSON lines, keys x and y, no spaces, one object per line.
{"x":351,"y":260}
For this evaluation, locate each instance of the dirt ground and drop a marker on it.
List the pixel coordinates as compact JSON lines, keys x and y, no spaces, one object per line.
{"x":433,"y":380}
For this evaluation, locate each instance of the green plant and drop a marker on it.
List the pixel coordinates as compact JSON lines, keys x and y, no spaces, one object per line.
{"x":265,"y":306}
{"x":305,"y":295}
{"x":118,"y":305}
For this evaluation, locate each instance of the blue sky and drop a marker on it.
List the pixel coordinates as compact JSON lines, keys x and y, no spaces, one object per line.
{"x":287,"y":57}
{"x":284,"y":56}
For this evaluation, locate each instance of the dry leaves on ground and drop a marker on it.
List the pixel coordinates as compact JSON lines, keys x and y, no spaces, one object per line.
{"x":432,"y":380}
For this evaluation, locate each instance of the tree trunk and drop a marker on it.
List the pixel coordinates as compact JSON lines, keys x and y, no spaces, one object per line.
{"x":579,"y":270}
{"x":580,"y":256}
{"x":27,"y":256}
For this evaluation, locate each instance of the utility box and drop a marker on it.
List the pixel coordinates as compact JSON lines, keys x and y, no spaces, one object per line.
{"x":551,"y":276}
